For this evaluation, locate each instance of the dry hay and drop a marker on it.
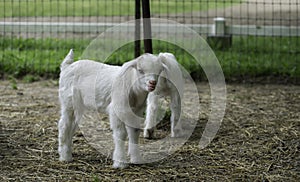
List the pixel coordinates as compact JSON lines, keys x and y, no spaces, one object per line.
{"x":258,"y":140}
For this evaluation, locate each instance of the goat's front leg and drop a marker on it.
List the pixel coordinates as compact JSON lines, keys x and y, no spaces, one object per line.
{"x":151,"y":116}
{"x":119,"y":136}
{"x":176,"y":126}
{"x":133,"y":146}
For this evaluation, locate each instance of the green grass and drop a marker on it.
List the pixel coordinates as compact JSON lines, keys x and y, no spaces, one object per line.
{"x":41,"y":57}
{"x":35,"y":8}
{"x":248,"y":56}
{"x":262,"y":56}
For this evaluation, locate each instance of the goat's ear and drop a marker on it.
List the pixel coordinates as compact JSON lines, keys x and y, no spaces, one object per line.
{"x":165,"y":57}
{"x":163,"y":60}
{"x":128,"y":65}
{"x":166,"y":69}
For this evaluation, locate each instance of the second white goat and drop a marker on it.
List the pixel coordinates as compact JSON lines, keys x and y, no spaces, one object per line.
{"x":170,"y":83}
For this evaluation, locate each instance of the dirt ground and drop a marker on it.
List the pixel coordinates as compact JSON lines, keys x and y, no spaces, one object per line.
{"x":258,"y":139}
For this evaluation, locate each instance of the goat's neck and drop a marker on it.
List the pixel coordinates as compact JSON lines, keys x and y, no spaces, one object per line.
{"x":137,"y":90}
{"x":137,"y":96}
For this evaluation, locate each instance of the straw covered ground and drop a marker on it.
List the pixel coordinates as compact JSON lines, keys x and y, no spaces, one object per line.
{"x":259,"y":139}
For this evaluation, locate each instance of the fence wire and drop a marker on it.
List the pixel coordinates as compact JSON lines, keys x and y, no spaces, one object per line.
{"x":263,"y":34}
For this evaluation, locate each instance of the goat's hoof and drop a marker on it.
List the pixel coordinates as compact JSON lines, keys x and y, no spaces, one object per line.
{"x":65,"y":153}
{"x":149,"y":133}
{"x":136,"y":160}
{"x":65,"y":159}
{"x":120,"y":165}
{"x":177,"y":134}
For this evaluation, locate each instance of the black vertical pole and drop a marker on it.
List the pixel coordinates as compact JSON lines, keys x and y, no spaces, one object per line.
{"x":137,"y":42}
{"x":147,"y":26}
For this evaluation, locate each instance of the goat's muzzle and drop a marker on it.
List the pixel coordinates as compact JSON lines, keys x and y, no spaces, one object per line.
{"x":151,"y":85}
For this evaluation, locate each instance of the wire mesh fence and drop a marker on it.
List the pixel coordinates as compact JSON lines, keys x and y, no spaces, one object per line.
{"x":263,"y":34}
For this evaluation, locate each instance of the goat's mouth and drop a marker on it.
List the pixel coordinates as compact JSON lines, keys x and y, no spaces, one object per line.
{"x":151,"y":87}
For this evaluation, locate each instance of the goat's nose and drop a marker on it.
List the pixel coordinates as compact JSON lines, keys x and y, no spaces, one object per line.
{"x":152,"y":82}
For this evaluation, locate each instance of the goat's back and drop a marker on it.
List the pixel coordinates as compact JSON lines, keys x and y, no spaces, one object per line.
{"x":172,"y":79}
{"x":88,"y":83}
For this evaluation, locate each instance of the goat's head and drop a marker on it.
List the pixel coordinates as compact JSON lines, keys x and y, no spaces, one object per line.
{"x":148,"y":68}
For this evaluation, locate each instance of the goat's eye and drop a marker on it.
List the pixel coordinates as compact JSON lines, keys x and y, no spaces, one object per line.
{"x":141,"y":71}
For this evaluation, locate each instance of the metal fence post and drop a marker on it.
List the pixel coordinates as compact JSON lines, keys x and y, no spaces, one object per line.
{"x":219,"y":26}
{"x":137,"y":33}
{"x":147,"y":26}
{"x":219,"y":39}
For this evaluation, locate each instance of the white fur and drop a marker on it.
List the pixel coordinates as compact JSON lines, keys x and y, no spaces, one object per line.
{"x":170,"y":83}
{"x":87,"y":84}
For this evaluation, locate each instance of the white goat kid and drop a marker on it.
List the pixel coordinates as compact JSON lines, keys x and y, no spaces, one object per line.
{"x":170,"y":83}
{"x":87,"y":84}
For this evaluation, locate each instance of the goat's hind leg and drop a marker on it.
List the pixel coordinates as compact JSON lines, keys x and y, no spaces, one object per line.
{"x":65,"y":134}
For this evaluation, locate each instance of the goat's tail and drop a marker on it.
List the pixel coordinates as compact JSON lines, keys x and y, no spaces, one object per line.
{"x":69,"y":59}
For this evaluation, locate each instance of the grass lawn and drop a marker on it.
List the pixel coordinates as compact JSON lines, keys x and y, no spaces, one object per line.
{"x":262,"y":56}
{"x":33,"y":8}
{"x":249,"y":56}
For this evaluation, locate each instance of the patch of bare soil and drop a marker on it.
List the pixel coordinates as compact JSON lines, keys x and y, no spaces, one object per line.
{"x":259,"y":139}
